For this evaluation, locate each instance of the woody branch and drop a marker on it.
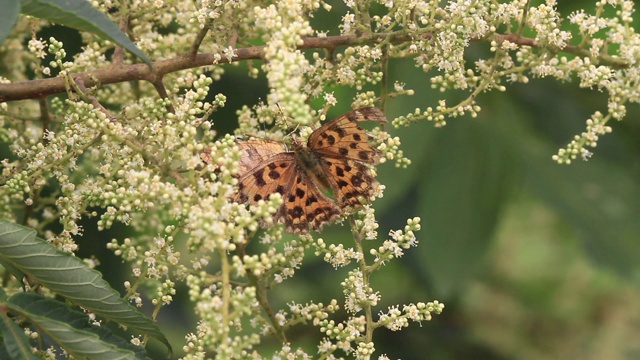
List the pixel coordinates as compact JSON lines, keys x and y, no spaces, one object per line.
{"x":34,"y":89}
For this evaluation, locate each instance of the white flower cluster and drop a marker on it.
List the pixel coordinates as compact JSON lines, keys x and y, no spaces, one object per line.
{"x":400,"y":241}
{"x":337,"y":255}
{"x":395,"y":319}
{"x":213,"y":306}
{"x":284,"y":25}
{"x":616,"y":73}
{"x":358,"y":293}
{"x":390,"y":147}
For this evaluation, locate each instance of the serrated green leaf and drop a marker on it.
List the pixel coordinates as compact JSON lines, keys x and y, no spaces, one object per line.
{"x":69,"y":277}
{"x":15,"y":341}
{"x":70,"y":329}
{"x":80,"y":15}
{"x":8,"y":17}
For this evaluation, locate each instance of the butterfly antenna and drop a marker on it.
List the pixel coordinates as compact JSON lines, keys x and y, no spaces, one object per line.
{"x":283,"y":119}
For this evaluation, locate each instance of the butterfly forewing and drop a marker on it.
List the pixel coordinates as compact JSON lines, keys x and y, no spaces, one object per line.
{"x":344,"y":138}
{"x":255,"y":152}
{"x":265,"y":168}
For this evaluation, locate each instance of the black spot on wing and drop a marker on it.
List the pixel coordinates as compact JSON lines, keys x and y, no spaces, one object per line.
{"x":353,"y":116}
{"x":296,"y":212}
{"x":274,"y":174}
{"x":259,"y":178}
{"x":310,"y":200}
{"x":356,"y":180}
{"x":338,"y":129}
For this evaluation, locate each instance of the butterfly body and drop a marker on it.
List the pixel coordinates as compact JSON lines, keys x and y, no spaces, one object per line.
{"x":335,"y":158}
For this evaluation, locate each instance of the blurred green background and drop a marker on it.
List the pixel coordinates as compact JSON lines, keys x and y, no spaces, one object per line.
{"x":533,"y":260}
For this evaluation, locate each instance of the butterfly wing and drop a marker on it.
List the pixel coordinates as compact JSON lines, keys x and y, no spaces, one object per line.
{"x":353,"y":183}
{"x":255,"y":152}
{"x":267,"y":168}
{"x":306,"y":206}
{"x":343,"y":150}
{"x":342,"y":137}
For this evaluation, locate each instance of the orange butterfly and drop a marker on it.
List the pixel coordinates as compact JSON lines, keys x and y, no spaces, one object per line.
{"x":337,"y":157}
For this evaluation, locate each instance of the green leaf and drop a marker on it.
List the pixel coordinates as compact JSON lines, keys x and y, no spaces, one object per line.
{"x":8,"y":17}
{"x":13,"y":270}
{"x":71,"y":329}
{"x":418,"y":145}
{"x":80,"y":15}
{"x":15,"y":341}
{"x":461,"y":199}
{"x":71,"y":278}
{"x":599,"y":199}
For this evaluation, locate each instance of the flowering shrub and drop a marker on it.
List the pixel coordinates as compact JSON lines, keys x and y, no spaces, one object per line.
{"x":125,"y":144}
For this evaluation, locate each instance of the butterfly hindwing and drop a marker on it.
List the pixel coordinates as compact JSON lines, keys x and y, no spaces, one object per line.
{"x":266,"y":179}
{"x":267,"y":168}
{"x":306,"y":206}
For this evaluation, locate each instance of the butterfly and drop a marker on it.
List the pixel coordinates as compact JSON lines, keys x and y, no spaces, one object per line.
{"x":336,"y":158}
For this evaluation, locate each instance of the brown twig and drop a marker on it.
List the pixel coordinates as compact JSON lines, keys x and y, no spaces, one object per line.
{"x":261,"y":296}
{"x":80,"y":84}
{"x":115,"y":74}
{"x":112,"y":74}
{"x":45,"y":117}
{"x":162,"y":91}
{"x":193,"y":50}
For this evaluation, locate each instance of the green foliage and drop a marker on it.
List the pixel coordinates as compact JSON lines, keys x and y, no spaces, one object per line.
{"x":70,"y":329}
{"x":8,"y":16}
{"x":72,"y":279}
{"x":77,"y":14}
{"x":15,"y":342}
